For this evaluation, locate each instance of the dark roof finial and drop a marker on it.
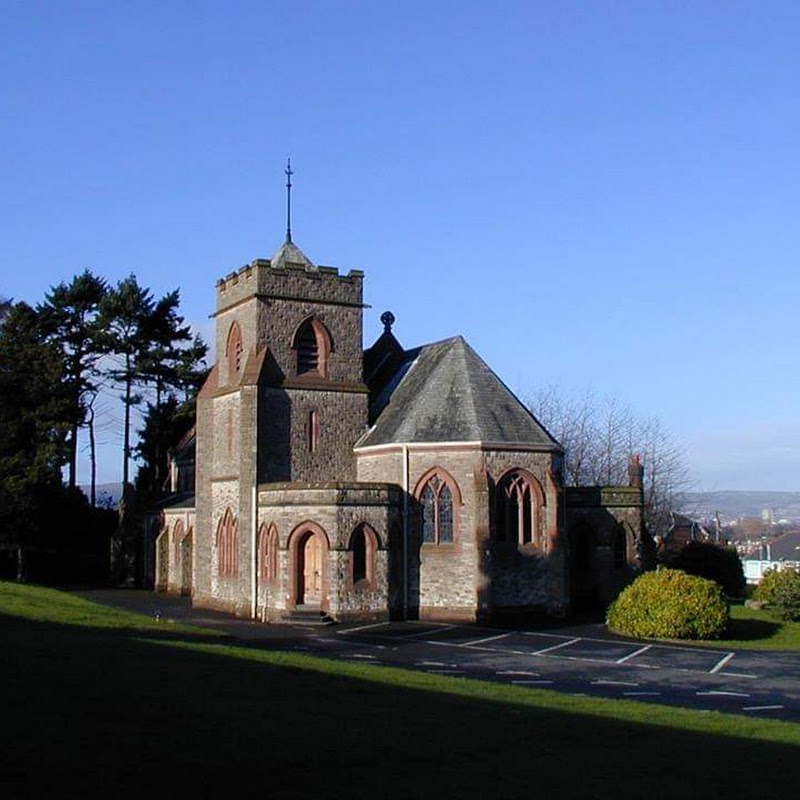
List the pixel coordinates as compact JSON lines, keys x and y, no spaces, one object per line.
{"x":387,"y":318}
{"x":289,"y":174}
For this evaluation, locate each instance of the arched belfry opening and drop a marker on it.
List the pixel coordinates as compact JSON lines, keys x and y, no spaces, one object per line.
{"x":312,"y":346}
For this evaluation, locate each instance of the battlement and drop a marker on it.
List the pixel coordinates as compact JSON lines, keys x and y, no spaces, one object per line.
{"x":291,"y":281}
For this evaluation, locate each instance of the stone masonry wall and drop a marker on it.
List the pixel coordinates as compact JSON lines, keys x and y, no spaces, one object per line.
{"x":337,"y":509}
{"x":171,"y":572}
{"x":283,"y":434}
{"x":603,"y":513}
{"x":270,"y":304}
{"x":474,"y":577}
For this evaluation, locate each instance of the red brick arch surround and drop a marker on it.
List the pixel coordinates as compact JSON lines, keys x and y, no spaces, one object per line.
{"x":297,"y":541}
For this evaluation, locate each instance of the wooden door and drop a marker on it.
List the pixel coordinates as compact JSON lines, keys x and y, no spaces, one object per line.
{"x":312,"y":570}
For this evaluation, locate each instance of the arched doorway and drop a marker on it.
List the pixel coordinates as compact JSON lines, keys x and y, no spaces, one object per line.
{"x":310,"y":551}
{"x":585,"y":595}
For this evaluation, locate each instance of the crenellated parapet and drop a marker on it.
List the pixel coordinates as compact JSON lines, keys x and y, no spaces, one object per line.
{"x":289,"y":280}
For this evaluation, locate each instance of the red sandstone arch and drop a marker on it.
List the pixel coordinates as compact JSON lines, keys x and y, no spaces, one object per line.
{"x":312,"y":345}
{"x":234,"y":351}
{"x":518,"y":502}
{"x":309,"y":547}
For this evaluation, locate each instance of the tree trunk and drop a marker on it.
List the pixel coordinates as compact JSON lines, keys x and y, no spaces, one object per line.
{"x":22,"y":565}
{"x":92,"y":457}
{"x":73,"y":456}
{"x":126,"y":446}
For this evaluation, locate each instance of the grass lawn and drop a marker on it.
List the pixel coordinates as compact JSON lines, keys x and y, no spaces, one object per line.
{"x":755,"y":629}
{"x":98,"y":702}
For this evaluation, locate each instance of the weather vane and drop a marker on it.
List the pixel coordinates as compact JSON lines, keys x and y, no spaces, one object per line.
{"x":289,"y":174}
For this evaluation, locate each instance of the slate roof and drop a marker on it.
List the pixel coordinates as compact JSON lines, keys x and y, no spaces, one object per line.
{"x":177,"y":501}
{"x":290,"y":253}
{"x":445,"y":392}
{"x":786,"y":547}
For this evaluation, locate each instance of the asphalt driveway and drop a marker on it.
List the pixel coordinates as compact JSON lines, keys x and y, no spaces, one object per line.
{"x":581,"y":659}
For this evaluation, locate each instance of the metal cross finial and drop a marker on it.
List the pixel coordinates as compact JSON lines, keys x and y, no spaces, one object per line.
{"x":289,"y":174}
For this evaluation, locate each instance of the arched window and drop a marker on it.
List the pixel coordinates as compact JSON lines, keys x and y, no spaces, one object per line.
{"x":312,"y":346}
{"x":438,"y":495}
{"x":268,"y":553}
{"x":177,"y":537}
{"x":228,"y":546}
{"x":619,"y":548}
{"x":234,"y":351}
{"x":518,"y":498}
{"x":363,"y":544}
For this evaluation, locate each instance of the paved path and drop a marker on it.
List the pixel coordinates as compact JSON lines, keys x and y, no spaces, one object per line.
{"x":579,"y":660}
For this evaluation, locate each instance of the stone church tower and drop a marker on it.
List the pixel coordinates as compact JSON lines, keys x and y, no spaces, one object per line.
{"x":281,"y":408}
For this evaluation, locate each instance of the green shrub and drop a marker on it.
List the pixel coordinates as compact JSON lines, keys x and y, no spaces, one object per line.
{"x":670,"y":604}
{"x":780,"y":590}
{"x":708,"y":560}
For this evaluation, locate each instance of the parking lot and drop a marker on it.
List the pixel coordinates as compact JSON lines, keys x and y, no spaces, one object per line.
{"x":576,"y":659}
{"x":766,"y":684}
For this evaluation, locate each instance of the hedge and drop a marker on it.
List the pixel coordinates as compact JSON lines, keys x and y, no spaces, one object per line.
{"x":670,"y":604}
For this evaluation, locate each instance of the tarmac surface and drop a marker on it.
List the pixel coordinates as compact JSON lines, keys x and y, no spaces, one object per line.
{"x":577,"y":659}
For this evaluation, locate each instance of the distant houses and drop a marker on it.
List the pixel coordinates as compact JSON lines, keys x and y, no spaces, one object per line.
{"x":782,"y":552}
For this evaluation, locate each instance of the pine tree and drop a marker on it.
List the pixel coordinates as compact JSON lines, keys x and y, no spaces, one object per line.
{"x":126,"y":314}
{"x":71,"y":319}
{"x":34,"y":422}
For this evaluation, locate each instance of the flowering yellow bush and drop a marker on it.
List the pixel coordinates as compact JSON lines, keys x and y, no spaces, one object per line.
{"x":669,"y":604}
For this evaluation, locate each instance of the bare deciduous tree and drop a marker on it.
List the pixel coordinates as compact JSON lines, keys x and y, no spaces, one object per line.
{"x":600,"y":434}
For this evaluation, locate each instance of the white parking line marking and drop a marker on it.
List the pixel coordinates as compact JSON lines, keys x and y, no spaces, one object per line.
{"x":431,"y":664}
{"x":715,"y":693}
{"x":555,"y":647}
{"x":601,"y":682}
{"x":633,"y":654}
{"x":531,"y":683}
{"x":361,"y":655}
{"x":487,"y":639}
{"x":426,"y":632}
{"x":761,"y":708}
{"x":515,"y":672}
{"x":475,"y":647}
{"x":721,"y":663}
{"x":345,"y":643}
{"x":362,"y":628}
{"x":738,"y":674}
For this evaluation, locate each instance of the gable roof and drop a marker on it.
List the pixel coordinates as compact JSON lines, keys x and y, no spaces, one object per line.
{"x":785,"y":547}
{"x":445,"y":392}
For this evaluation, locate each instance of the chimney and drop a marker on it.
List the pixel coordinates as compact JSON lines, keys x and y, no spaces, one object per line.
{"x":636,"y":472}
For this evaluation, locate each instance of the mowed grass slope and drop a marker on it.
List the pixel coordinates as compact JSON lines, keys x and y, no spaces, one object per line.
{"x":125,"y":711}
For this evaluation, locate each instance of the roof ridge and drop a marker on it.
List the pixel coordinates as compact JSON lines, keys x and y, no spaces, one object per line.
{"x":467,"y":364}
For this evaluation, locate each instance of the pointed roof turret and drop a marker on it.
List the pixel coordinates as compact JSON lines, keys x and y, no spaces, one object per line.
{"x":289,"y":254}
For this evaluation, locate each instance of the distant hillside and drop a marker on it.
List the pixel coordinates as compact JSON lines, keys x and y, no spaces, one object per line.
{"x":108,"y":494}
{"x":731,"y":505}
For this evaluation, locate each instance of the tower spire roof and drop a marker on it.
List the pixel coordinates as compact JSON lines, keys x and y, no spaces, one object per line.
{"x":289,"y":254}
{"x":288,"y":172}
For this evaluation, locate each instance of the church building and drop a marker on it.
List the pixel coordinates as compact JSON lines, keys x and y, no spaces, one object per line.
{"x":377,"y":483}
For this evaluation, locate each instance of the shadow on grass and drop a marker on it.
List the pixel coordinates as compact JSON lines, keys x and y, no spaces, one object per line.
{"x":751,"y":630}
{"x":107,"y":713}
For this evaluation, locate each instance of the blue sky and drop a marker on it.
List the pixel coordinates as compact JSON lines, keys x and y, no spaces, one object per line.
{"x":595,"y":194}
